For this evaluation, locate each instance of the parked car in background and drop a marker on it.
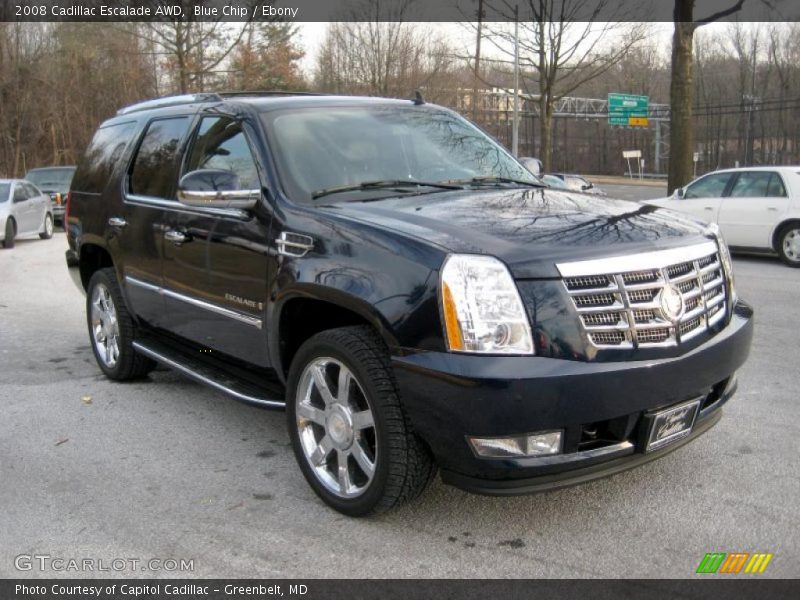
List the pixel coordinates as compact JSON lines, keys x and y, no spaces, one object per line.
{"x":55,"y":182}
{"x":554,"y":182}
{"x":757,"y":208}
{"x":24,"y":210}
{"x":534,"y":165}
{"x":578,"y":183}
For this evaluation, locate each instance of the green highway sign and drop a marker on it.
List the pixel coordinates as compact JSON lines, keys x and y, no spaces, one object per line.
{"x":626,"y":109}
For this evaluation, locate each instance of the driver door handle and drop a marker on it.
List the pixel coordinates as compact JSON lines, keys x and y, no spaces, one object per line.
{"x":176,"y":237}
{"x":117,"y":222}
{"x":709,"y":208}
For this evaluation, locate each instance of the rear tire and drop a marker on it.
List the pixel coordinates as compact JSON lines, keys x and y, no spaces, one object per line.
{"x":112,"y":329}
{"x":356,"y":448}
{"x":789,"y":244}
{"x":11,"y":231}
{"x":48,"y":227}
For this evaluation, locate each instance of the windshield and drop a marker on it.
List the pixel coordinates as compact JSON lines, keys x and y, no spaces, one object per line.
{"x":320,"y":149}
{"x":5,"y":188}
{"x":58,"y":179}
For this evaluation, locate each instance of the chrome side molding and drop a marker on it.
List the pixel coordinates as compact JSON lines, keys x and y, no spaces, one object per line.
{"x":220,"y":310}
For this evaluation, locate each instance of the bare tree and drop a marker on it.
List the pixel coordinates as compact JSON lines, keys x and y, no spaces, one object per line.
{"x":384,"y":55}
{"x":566,"y":45}
{"x":681,"y":94}
{"x":192,"y":49}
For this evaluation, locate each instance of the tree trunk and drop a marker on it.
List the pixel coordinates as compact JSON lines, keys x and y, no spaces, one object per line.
{"x":545,"y":133}
{"x":681,"y":134}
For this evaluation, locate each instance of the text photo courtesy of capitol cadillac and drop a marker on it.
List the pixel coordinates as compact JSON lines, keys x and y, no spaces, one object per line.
{"x":399,"y":299}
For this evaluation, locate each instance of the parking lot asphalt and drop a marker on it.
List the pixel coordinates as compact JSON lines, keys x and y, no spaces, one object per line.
{"x":165,"y":468}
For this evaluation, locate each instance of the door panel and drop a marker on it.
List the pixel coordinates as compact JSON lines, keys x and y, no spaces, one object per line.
{"x":215,"y":283}
{"x":23,"y":207}
{"x":702,"y":198}
{"x":139,"y":231}
{"x":215,"y":261}
{"x":756,"y":203}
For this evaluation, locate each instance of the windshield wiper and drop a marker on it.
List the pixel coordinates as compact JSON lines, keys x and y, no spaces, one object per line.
{"x":384,"y":184}
{"x":491,"y":179}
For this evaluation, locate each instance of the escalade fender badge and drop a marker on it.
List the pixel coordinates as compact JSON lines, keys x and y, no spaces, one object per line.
{"x":294,"y":244}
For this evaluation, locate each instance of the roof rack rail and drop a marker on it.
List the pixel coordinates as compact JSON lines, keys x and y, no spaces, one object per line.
{"x":267,"y":93}
{"x":170,"y":101}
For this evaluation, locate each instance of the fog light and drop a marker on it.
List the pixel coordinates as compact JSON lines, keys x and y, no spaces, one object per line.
{"x":529,"y":444}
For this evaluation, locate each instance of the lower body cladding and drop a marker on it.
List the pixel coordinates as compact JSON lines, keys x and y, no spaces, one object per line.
{"x":611,"y":416}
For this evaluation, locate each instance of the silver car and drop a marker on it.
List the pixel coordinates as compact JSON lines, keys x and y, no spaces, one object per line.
{"x":24,"y":210}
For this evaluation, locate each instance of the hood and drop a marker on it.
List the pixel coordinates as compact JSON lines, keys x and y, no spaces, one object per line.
{"x":530,"y":230}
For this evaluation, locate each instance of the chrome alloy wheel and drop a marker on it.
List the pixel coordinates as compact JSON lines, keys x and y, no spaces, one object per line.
{"x":336,"y":427}
{"x":791,"y":245}
{"x":105,"y":328}
{"x":48,"y":226}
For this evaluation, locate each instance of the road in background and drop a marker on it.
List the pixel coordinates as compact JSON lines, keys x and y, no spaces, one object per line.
{"x":165,"y":468}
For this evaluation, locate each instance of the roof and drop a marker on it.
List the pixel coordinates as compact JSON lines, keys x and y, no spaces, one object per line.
{"x":260,"y":100}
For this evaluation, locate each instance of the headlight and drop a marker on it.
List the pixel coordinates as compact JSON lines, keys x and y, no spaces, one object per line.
{"x":725,"y":258}
{"x":481,"y":307}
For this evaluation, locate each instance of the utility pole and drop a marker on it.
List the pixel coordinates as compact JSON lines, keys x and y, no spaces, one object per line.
{"x":515,"y":124}
{"x":477,"y":73}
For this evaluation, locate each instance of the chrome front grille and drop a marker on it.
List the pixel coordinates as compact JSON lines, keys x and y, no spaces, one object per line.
{"x":623,"y":302}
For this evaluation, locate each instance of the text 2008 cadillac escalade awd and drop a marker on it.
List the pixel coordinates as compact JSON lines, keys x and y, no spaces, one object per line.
{"x":407,"y":291}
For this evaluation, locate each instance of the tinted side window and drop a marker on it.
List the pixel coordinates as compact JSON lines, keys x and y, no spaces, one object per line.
{"x":221,"y":144}
{"x":101,"y":157}
{"x":710,"y":186}
{"x":751,"y":184}
{"x":776,"y":189}
{"x":155,"y":168}
{"x":19,"y":193}
{"x":32,"y":191}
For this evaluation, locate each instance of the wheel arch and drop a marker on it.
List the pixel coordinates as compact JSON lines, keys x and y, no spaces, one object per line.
{"x":92,"y":258}
{"x":304,"y":313}
{"x":776,"y":234}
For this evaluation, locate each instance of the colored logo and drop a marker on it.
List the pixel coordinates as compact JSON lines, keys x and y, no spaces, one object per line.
{"x":734,"y":562}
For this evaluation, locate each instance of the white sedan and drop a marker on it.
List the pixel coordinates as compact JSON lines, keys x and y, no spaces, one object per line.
{"x":757,"y":208}
{"x":24,"y":210}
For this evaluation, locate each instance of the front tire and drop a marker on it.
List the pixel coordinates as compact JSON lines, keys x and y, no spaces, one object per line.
{"x":48,"y":227}
{"x":350,"y":435}
{"x":112,"y":329}
{"x":789,"y":244}
{"x":11,"y":231}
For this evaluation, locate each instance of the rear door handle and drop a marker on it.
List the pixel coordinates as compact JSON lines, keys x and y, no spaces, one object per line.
{"x":176,"y":237}
{"x":772,"y":209}
{"x":117,"y":222}
{"x":709,"y":208}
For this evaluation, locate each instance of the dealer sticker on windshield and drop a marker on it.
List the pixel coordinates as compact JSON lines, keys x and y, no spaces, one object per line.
{"x":672,"y":424}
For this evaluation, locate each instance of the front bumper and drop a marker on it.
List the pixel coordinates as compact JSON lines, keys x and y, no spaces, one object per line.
{"x":449,"y":397}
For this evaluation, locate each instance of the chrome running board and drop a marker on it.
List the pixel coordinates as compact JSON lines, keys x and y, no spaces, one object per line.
{"x":209,"y":375}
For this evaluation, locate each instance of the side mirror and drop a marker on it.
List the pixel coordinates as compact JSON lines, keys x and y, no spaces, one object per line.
{"x":587,"y":186}
{"x":679,"y":193}
{"x":215,"y":188}
{"x":534,"y":165}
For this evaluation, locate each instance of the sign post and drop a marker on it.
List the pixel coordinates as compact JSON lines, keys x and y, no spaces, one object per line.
{"x":629,"y":110}
{"x":628,"y":155}
{"x":695,"y":159}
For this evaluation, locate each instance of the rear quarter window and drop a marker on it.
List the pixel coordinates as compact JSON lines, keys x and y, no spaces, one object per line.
{"x":155,"y":167}
{"x":102,"y":156}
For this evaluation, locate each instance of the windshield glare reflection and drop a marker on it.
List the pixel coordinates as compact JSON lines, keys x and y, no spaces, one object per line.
{"x":323,"y":148}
